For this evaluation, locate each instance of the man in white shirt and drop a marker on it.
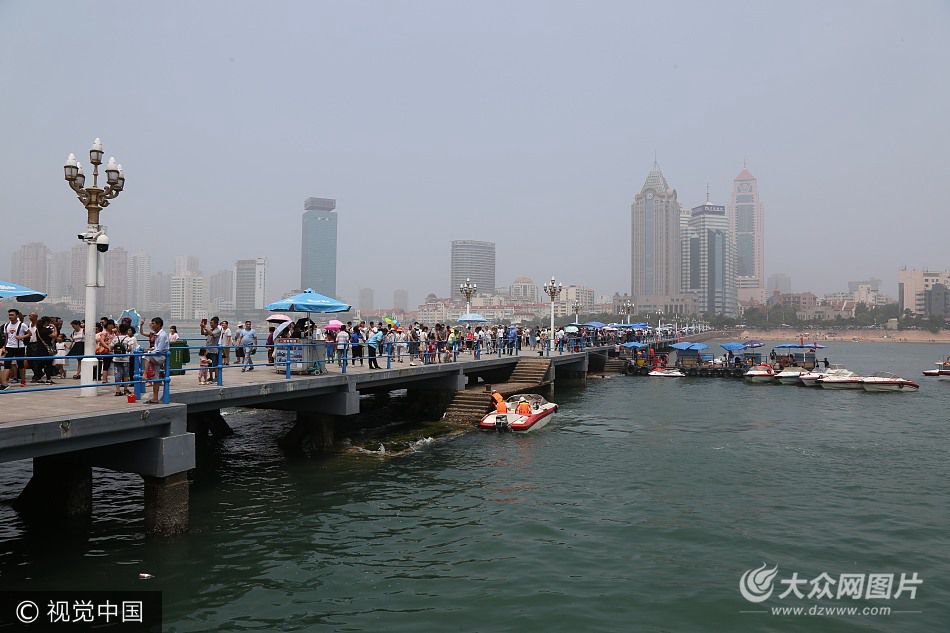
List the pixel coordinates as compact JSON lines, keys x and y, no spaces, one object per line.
{"x":16,"y":334}
{"x":227,"y":340}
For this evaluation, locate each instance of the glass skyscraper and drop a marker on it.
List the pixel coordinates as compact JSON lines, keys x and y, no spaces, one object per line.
{"x":318,"y":249}
{"x":747,"y":220}
{"x":475,"y":261}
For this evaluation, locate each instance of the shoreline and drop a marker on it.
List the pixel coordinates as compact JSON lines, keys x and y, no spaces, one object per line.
{"x":844,"y":336}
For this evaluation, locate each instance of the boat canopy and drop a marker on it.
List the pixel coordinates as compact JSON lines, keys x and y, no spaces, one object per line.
{"x":732,"y":346}
{"x":635,"y":345}
{"x":686,"y":345}
{"x":800,"y":346}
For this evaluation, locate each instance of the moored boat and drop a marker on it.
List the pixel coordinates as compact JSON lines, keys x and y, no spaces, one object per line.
{"x":811,"y":378}
{"x":667,"y":372}
{"x":942,"y":371}
{"x":884,"y":381}
{"x":791,"y":375}
{"x":761,"y":373}
{"x":540,"y":411}
{"x":852,"y":381}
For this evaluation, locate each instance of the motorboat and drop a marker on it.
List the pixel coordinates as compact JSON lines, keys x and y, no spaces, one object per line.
{"x":884,"y":381}
{"x":791,"y":375}
{"x":942,"y":371}
{"x":810,"y":379}
{"x":852,"y":381}
{"x":667,"y":372}
{"x":541,"y":410}
{"x":761,"y":373}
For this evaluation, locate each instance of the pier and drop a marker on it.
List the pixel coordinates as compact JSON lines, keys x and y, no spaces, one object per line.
{"x":66,"y":435}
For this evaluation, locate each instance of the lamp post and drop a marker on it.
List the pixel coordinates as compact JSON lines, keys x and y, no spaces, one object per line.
{"x":94,"y":198}
{"x":553,"y":290}
{"x":629,"y":306}
{"x":576,"y":307}
{"x":622,"y":312}
{"x":468,"y":289}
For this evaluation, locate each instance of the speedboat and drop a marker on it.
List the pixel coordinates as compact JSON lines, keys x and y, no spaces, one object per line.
{"x":667,"y":372}
{"x":883,"y":381}
{"x":811,"y":378}
{"x":942,"y":371}
{"x":541,"y":409}
{"x":791,"y":375}
{"x":760,"y":374}
{"x":841,"y":382}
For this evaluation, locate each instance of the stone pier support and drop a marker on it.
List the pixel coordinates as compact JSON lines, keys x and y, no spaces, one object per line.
{"x":60,"y":489}
{"x":313,"y":428}
{"x":201,"y":424}
{"x":166,"y":505}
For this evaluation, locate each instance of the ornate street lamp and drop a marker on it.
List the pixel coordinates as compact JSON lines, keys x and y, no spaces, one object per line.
{"x":468,"y":289}
{"x":629,"y":309}
{"x":553,"y":290}
{"x":576,"y":307}
{"x":622,"y":312}
{"x":94,"y":198}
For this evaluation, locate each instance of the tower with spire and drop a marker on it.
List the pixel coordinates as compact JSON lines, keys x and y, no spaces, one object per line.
{"x":655,"y":248}
{"x":747,"y":221}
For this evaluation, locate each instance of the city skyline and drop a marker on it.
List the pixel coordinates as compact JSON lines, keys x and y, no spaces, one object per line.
{"x":450,"y":157}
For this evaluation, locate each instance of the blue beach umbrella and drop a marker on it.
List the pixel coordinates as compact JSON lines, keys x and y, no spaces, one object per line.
{"x":635,"y":345}
{"x":309,"y":301}
{"x":10,"y":290}
{"x":133,"y":316}
{"x":595,"y":324}
{"x":732,"y":346}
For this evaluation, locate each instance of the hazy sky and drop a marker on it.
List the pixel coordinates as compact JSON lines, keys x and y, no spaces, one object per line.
{"x":532,"y":124}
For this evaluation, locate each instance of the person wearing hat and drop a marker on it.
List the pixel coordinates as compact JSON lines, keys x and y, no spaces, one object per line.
{"x":523,"y":407}
{"x":500,"y":405}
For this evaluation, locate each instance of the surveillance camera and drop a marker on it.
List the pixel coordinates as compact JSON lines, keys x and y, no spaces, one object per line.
{"x":81,"y":236}
{"x":102,"y":243}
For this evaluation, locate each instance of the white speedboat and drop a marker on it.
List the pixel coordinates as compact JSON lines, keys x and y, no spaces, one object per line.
{"x":539,"y":416}
{"x":841,"y":382}
{"x":942,"y":371}
{"x":810,"y":379}
{"x":883,"y":381}
{"x":791,"y":375}
{"x":667,"y":372}
{"x":760,"y":374}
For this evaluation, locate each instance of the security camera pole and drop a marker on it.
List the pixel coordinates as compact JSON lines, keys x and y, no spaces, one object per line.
{"x":95,"y":199}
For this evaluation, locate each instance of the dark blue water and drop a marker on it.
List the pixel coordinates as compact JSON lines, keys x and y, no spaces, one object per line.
{"x":637,"y":508}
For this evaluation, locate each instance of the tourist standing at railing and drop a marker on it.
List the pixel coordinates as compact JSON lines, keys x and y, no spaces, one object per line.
{"x":342,"y":343}
{"x":173,"y":336}
{"x":103,"y":346}
{"x":15,"y":333}
{"x":227,"y":339}
{"x":357,"y":339}
{"x":248,"y":343}
{"x":372,"y":346}
{"x":238,"y":348}
{"x":212,"y":334}
{"x":156,"y":357}
{"x":78,"y":346}
{"x":44,"y":345}
{"x":59,"y":363}
{"x":124,"y":343}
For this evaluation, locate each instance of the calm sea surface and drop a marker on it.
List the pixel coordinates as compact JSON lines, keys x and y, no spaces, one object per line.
{"x":637,"y":509}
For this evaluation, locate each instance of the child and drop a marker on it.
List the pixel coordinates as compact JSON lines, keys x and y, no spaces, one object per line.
{"x":204,"y":363}
{"x":60,"y":361}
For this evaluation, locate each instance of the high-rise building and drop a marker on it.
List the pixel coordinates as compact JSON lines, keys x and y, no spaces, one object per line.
{"x":655,"y":240}
{"x":60,"y":277}
{"x":116,"y":292}
{"x":185,"y":264}
{"x":709,"y":261}
{"x":401,"y":300}
{"x":250,"y":284}
{"x":584,"y":296}
{"x":30,"y":266}
{"x":161,"y":291}
{"x":524,"y":290}
{"x":747,"y":221}
{"x":221,"y":287}
{"x":140,"y":283}
{"x":366,"y":300}
{"x":780,"y":282}
{"x":189,"y":297}
{"x":474,"y":261}
{"x":915,"y":289}
{"x":318,"y":246}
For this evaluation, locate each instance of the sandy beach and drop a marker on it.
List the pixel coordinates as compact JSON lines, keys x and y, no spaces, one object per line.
{"x":862,"y":336}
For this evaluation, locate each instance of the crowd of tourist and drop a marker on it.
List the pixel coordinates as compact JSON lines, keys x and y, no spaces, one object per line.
{"x":49,"y":349}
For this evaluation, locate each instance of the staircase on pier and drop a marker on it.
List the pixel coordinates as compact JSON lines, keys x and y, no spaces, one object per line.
{"x":472,"y":404}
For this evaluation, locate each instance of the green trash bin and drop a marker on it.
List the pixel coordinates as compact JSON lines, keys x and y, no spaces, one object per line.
{"x":178,"y":357}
